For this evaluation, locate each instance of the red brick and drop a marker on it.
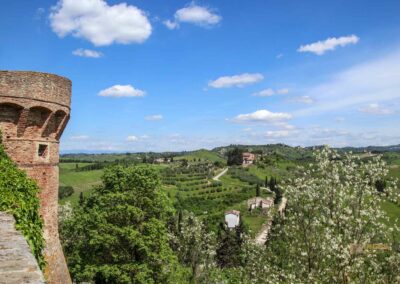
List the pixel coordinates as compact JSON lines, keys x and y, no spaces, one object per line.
{"x":34,"y":110}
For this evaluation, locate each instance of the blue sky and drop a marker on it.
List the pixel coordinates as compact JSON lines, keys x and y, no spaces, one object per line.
{"x":181,"y":75}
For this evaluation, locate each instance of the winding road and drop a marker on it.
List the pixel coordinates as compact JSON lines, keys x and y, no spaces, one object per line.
{"x":262,"y":236}
{"x":216,"y":178}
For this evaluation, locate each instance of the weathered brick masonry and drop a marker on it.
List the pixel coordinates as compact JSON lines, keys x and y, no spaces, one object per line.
{"x":34,"y":110}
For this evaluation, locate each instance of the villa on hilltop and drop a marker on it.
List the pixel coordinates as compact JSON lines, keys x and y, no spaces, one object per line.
{"x":248,"y":158}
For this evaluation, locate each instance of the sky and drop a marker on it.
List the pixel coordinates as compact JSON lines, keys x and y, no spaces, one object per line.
{"x":153,"y":75}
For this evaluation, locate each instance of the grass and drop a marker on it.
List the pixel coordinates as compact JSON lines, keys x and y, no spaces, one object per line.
{"x":392,"y":211}
{"x":203,"y":155}
{"x":80,"y":181}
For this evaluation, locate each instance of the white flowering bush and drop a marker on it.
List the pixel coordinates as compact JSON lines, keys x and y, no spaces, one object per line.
{"x":334,"y":229}
{"x":194,"y":245}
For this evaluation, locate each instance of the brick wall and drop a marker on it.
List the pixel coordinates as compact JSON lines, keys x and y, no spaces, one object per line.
{"x":34,"y":110}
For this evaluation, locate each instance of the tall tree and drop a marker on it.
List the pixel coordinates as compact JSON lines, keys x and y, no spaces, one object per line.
{"x":228,"y":246}
{"x":258,"y":190}
{"x":194,"y":244}
{"x":235,"y":157}
{"x":119,"y":234}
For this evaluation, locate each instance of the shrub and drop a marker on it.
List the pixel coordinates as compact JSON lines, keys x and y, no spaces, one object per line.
{"x":65,"y":191}
{"x":18,"y":196}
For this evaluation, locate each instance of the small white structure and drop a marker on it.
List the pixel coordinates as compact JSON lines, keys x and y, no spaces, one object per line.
{"x":162,"y":160}
{"x":259,"y":202}
{"x":232,"y":218}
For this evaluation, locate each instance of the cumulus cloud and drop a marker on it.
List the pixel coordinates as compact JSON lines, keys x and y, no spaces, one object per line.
{"x":122,"y":91}
{"x":270,"y":92}
{"x":376,"y":109}
{"x":87,"y":53}
{"x":236,"y":80}
{"x":79,"y":138}
{"x":193,"y":14}
{"x":262,"y":116}
{"x":132,"y":138}
{"x":154,"y":117}
{"x":99,"y":23}
{"x":320,"y":47}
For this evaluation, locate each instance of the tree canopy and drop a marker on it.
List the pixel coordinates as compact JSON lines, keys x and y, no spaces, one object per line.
{"x":119,"y":233}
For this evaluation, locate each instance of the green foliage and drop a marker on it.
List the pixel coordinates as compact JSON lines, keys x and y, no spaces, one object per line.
{"x":193,"y":243}
{"x":228,"y":253}
{"x":65,"y":191}
{"x":244,"y":175}
{"x":18,"y":196}
{"x":235,"y":157}
{"x":119,"y":234}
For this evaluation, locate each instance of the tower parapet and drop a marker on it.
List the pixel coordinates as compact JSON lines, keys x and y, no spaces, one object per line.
{"x":34,"y":111}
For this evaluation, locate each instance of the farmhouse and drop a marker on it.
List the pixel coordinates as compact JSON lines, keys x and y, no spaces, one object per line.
{"x":162,"y":160}
{"x":232,"y":218}
{"x":259,"y":202}
{"x":248,"y":158}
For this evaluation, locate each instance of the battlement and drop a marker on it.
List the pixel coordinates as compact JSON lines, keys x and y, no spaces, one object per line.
{"x":41,"y":87}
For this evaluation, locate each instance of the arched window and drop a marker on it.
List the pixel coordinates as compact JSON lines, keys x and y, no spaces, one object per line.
{"x":35,"y":121}
{"x":54,"y":124}
{"x":9,"y":116}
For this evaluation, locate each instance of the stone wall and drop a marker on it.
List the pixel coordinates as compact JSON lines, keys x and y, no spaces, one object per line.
{"x":17,"y":263}
{"x":34,"y":110}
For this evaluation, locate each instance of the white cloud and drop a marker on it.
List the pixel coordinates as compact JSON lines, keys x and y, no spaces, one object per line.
{"x":340,"y":119}
{"x":170,"y":24}
{"x":87,"y":53}
{"x":262,"y":116}
{"x":264,"y":93}
{"x":99,"y":23}
{"x":376,"y":109}
{"x":320,"y":47}
{"x":282,"y":91}
{"x":132,"y":138}
{"x":154,"y":117}
{"x":236,"y":80}
{"x":270,"y":92}
{"x":122,"y":91}
{"x":193,"y":14}
{"x":302,"y":100}
{"x":79,"y":138}
{"x":362,"y":84}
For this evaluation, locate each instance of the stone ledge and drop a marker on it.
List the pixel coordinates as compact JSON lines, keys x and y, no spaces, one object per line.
{"x":17,"y":263}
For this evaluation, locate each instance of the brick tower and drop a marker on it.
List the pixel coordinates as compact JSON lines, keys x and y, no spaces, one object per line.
{"x":34,"y":110}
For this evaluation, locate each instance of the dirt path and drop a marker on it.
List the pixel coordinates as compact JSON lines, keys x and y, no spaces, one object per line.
{"x":262,"y":236}
{"x":216,"y":178}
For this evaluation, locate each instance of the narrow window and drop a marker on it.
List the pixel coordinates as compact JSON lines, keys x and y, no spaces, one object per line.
{"x":42,"y":151}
